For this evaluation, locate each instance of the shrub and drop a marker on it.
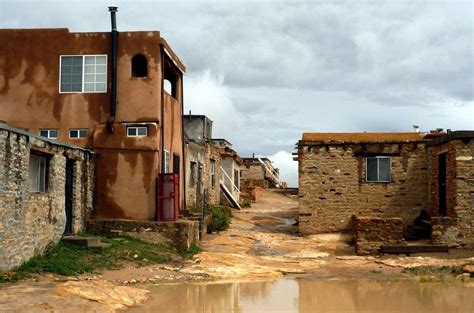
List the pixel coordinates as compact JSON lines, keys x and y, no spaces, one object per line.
{"x":220,"y":219}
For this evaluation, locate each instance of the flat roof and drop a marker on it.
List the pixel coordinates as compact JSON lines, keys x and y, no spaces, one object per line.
{"x":363,"y":137}
{"x":458,"y":134}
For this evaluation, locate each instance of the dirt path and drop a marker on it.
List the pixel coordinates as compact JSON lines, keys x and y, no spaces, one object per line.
{"x":261,"y":244}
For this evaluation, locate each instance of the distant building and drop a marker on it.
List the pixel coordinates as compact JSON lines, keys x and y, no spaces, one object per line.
{"x":260,"y":172}
{"x":213,"y":166}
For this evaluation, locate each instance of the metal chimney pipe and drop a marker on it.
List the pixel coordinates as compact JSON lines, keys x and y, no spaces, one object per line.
{"x":113,"y":96}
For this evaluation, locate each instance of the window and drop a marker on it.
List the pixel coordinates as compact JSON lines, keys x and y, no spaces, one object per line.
{"x":38,"y":169}
{"x":49,"y":133}
{"x":378,"y":169}
{"x":213,"y":173}
{"x":166,"y":162}
{"x":139,"y":66}
{"x":137,"y":131}
{"x":83,"y":73}
{"x":78,"y":133}
{"x":236,"y":179}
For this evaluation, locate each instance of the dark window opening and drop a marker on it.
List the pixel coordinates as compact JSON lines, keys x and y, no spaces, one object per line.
{"x":139,"y":66}
{"x":171,"y":78}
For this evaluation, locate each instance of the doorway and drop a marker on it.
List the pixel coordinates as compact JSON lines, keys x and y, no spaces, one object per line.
{"x":442,"y":184}
{"x":68,"y":196}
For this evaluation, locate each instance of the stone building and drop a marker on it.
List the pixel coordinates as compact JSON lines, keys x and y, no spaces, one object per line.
{"x":384,"y":176}
{"x":118,"y":95}
{"x":451,"y":188}
{"x":213,"y":167}
{"x":203,"y":162}
{"x":260,"y":172}
{"x":375,"y":174}
{"x":46,"y":190}
{"x":230,"y":173}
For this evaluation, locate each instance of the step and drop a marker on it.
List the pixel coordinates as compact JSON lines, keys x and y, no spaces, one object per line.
{"x":82,"y":241}
{"x":408,"y":249}
{"x":101,"y":245}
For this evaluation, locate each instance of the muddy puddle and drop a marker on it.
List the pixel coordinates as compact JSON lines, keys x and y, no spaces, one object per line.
{"x":307,"y":295}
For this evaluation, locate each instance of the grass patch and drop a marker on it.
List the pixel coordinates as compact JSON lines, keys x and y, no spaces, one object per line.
{"x":68,"y":259}
{"x":220,"y":218}
{"x":434,"y":273}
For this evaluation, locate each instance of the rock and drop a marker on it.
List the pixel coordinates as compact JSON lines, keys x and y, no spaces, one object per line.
{"x":468,"y":269}
{"x":466,"y":277}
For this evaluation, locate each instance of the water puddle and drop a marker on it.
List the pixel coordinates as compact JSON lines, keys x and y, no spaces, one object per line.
{"x":306,"y":295}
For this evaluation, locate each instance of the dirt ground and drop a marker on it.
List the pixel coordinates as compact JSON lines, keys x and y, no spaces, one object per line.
{"x":262,"y":243}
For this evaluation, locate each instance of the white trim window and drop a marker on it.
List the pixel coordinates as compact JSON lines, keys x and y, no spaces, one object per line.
{"x":166,"y":162}
{"x":37,"y":173}
{"x":78,"y":133}
{"x":49,"y":133}
{"x":378,"y":169}
{"x":137,"y":131}
{"x":83,"y":73}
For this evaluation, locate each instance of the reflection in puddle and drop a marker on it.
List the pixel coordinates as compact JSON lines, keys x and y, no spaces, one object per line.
{"x":305,"y":295}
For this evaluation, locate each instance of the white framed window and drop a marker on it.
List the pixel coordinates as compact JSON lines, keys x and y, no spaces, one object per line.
{"x":166,"y":162}
{"x":83,"y":73}
{"x":378,"y":169}
{"x":78,"y":133}
{"x":213,"y":173}
{"x":49,"y":133}
{"x":137,"y":131}
{"x":38,"y":171}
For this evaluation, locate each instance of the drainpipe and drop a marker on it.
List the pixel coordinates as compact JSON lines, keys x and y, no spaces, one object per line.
{"x":113,"y":96}
{"x":184,"y":150}
{"x":162,"y":124}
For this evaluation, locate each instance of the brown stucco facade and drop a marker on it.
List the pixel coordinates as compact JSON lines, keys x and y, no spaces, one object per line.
{"x":127,"y":167}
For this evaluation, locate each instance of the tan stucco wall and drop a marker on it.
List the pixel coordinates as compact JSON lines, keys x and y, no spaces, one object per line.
{"x":30,"y":99}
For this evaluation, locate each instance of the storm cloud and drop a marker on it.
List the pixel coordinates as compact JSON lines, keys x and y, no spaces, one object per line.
{"x":267,"y":71}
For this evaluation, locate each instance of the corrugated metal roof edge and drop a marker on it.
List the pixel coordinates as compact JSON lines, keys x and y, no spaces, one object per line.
{"x":51,"y":141}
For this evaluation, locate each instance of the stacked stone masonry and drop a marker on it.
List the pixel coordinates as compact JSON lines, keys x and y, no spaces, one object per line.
{"x":333,"y":187}
{"x":31,"y":222}
{"x":371,"y":233}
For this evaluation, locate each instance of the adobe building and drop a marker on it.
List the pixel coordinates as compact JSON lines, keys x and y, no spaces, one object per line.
{"x":385,"y":180}
{"x":46,"y":190}
{"x":117,"y":94}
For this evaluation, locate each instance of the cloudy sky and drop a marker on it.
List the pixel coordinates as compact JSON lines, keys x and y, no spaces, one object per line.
{"x":266,"y":71}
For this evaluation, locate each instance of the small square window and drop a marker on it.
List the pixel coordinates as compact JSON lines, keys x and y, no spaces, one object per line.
{"x":137,"y":131}
{"x":49,"y":133}
{"x":378,"y":169}
{"x":78,"y":133}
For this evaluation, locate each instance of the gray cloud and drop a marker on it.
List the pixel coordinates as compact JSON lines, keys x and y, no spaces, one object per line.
{"x":267,"y":71}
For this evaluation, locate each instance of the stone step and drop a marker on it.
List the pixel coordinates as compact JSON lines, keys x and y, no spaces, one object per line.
{"x":82,"y":241}
{"x":101,"y":245}
{"x":409,"y":249}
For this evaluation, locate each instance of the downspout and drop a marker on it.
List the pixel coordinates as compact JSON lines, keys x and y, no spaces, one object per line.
{"x":162,"y":124}
{"x":184,"y":150}
{"x":113,"y":96}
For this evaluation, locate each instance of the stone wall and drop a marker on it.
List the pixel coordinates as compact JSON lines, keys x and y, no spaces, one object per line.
{"x":445,"y":231}
{"x":332,"y":184}
{"x":213,"y":191}
{"x":371,"y":233}
{"x":31,"y":222}
{"x":460,"y":189}
{"x":179,"y":234}
{"x":252,"y":170}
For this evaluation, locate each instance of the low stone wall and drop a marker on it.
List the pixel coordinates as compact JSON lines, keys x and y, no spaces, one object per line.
{"x":180,"y":234}
{"x":445,"y":231}
{"x":370,"y":233}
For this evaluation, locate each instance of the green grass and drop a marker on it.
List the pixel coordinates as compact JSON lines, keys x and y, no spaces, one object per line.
{"x":435,"y":273}
{"x":68,"y":259}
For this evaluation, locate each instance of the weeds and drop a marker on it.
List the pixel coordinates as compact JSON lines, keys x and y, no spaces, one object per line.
{"x":68,"y":259}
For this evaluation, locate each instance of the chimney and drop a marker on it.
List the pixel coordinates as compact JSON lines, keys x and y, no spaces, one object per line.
{"x":253,"y":155}
{"x":416,"y":128}
{"x":113,"y":92}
